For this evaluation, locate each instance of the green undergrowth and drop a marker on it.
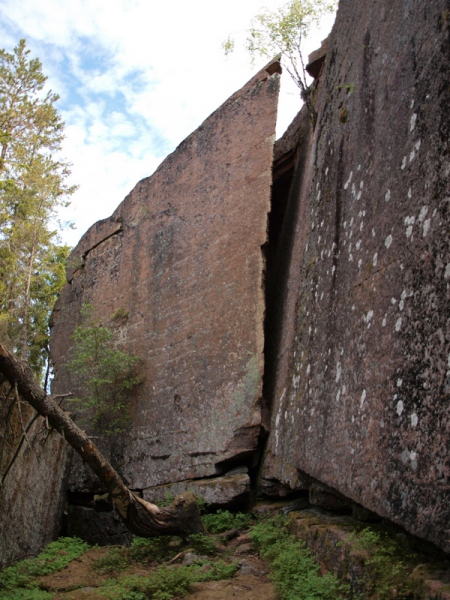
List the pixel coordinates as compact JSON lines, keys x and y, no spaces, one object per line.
{"x":294,"y":571}
{"x":151,"y":568}
{"x":19,"y":581}
{"x":165,"y":582}
{"x":388,"y":566}
{"x":224,"y":520}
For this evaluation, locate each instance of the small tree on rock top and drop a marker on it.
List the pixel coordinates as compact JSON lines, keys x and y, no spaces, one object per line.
{"x":282,"y":33}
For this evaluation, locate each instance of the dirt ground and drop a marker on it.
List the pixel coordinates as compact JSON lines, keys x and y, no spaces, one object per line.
{"x":79,"y":581}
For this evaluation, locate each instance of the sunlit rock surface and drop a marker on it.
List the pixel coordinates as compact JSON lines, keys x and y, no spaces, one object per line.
{"x":182,"y":258}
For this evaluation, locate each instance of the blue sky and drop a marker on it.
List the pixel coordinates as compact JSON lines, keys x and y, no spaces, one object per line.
{"x":135,"y":77}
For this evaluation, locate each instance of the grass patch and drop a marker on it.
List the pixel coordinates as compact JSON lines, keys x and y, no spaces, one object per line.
{"x":157,"y":549}
{"x":202,"y":543}
{"x":224,"y":520}
{"x":388,"y":567}
{"x":165,"y":583}
{"x":294,"y":571}
{"x":112,"y":563}
{"x":22,"y":575}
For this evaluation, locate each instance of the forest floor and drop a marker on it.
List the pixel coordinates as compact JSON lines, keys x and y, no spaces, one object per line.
{"x":268,"y":555}
{"x":81,"y":580}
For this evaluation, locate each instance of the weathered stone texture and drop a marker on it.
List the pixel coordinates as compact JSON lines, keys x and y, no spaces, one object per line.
{"x":32,"y":497}
{"x":362,"y":390}
{"x":232,"y":488}
{"x":182,"y":257}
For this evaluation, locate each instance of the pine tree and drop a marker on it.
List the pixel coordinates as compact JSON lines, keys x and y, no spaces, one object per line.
{"x":32,"y":188}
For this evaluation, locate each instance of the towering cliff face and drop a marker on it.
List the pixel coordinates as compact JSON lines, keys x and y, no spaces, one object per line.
{"x":182,"y":257}
{"x":357,"y":296}
{"x":361,"y":382}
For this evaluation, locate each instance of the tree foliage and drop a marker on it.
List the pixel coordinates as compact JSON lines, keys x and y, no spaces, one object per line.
{"x":282,"y":32}
{"x":32,"y":188}
{"x":106,"y":374}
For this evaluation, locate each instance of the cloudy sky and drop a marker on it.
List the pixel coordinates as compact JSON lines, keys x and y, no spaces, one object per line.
{"x":135,"y":77}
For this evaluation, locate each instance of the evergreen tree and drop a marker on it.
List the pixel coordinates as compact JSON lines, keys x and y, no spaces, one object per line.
{"x":32,"y":188}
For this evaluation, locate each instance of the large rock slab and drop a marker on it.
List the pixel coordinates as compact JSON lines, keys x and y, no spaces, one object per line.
{"x":32,"y":495}
{"x":182,"y":257}
{"x":362,"y":385}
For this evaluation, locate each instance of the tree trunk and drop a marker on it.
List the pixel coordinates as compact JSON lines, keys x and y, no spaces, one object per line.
{"x":182,"y":517}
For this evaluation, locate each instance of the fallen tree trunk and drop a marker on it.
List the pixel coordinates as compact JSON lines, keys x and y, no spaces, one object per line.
{"x":142,"y":518}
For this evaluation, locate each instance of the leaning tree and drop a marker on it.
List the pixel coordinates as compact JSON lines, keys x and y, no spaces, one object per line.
{"x":142,"y":518}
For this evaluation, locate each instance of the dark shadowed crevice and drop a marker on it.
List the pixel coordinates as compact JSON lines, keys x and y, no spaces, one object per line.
{"x":289,"y":165}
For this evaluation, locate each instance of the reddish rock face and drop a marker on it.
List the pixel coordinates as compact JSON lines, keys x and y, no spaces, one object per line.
{"x":182,"y":257}
{"x":362,"y":388}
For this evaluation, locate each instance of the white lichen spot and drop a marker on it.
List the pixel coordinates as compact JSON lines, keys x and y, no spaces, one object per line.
{"x":383,"y":322}
{"x":423,"y":213}
{"x":333,"y":269}
{"x":447,"y":272}
{"x":318,"y":195}
{"x":338,"y":371}
{"x":353,"y":307}
{"x":361,"y":185}
{"x":363,"y":397}
{"x":414,"y":420}
{"x":399,"y":382}
{"x":398,"y":324}
{"x":326,"y":171}
{"x":412,"y":155}
{"x":359,"y":263}
{"x":353,"y":189}
{"x":403,"y":162}
{"x":387,"y":196}
{"x":347,"y":183}
{"x":412,"y":122}
{"x":401,"y":304}
{"x":418,"y":143}
{"x":409,"y":193}
{"x":358,"y":244}
{"x":388,"y":241}
{"x":373,"y":232}
{"x":426,"y":227}
{"x":399,"y":408}
{"x":393,"y":301}
{"x":375,"y":259}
